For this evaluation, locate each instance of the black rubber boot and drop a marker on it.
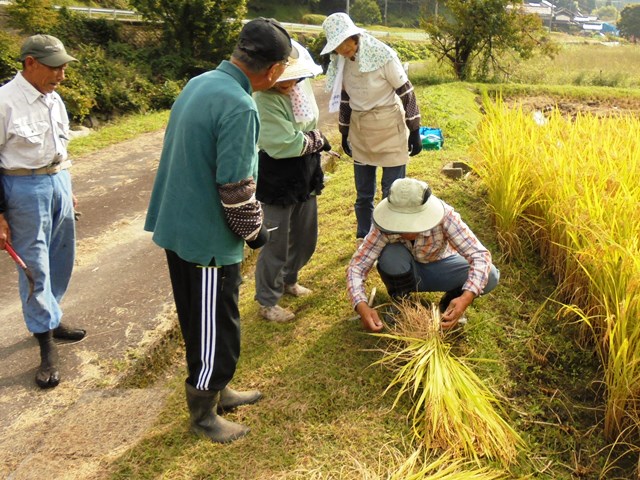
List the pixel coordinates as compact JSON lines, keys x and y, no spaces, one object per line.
{"x":231,"y":399}
{"x":447,"y":297}
{"x":204,"y":419}
{"x":63,"y":332}
{"x":398,"y":286}
{"x":47,"y":375}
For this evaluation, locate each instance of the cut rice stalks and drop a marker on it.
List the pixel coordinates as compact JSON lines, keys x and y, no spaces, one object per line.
{"x":419,"y":466}
{"x":451,"y":409}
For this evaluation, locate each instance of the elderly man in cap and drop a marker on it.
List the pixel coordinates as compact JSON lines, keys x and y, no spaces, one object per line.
{"x":36,"y":200}
{"x":421,"y":245}
{"x":203,"y":209}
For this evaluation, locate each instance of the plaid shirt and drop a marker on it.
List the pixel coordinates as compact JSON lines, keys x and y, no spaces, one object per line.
{"x":449,"y":237}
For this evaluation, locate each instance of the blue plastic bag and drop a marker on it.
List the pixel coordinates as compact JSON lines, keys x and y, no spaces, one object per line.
{"x":432,"y":138}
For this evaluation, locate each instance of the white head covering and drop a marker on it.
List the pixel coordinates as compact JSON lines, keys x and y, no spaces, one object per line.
{"x":372,"y":53}
{"x":301,"y":65}
{"x":337,"y":28}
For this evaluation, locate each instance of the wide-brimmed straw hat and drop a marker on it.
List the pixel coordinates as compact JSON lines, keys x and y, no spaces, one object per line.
{"x":301,"y":65}
{"x":409,"y":208}
{"x":337,"y":28}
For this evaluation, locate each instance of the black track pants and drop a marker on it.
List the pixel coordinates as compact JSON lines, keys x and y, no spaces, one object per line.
{"x":207,"y":304}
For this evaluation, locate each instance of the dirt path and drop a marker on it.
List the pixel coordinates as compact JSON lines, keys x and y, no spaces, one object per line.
{"x":120,"y":293}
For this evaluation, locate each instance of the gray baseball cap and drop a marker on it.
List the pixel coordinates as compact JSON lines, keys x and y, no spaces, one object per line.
{"x":47,"y":49}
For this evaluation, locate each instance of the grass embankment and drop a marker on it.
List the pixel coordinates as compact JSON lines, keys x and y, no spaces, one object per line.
{"x":324,"y":415}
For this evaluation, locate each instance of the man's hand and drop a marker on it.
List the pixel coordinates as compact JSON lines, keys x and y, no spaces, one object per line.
{"x":5,"y":232}
{"x":456,"y":309}
{"x":326,"y":146}
{"x":369,"y":317}
{"x":261,"y":239}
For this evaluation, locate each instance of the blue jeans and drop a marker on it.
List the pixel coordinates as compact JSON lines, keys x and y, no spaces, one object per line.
{"x":442,"y":276}
{"x":40,"y":216}
{"x":365,"y":180}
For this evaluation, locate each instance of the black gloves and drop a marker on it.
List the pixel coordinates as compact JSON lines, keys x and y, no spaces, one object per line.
{"x":415,"y":142}
{"x":345,"y":145}
{"x":260,"y":240}
{"x":326,"y":146}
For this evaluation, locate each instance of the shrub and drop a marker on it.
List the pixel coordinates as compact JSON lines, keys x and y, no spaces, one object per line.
{"x":9,"y":53}
{"x":366,"y":12}
{"x":79,"y":97}
{"x":33,"y":15}
{"x":106,"y":85}
{"x":163,"y":96}
{"x":76,"y":28}
{"x":409,"y":51}
{"x":313,"y":19}
{"x":315,"y":45}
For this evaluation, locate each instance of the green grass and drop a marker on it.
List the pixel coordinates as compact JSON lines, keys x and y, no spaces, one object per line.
{"x":578,"y":64}
{"x":126,"y":128}
{"x":584,"y":64}
{"x":324,"y":415}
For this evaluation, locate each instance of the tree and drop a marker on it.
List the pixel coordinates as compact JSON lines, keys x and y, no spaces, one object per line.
{"x":366,"y":12}
{"x":199,"y":33}
{"x":32,"y":16}
{"x":9,"y":53}
{"x":480,"y":33}
{"x":608,"y":13}
{"x":629,"y":23}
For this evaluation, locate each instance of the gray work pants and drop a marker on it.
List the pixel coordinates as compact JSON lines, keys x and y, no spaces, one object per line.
{"x":289,"y":248}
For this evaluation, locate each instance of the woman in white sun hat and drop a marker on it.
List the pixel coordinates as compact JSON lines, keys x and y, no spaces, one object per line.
{"x":421,"y":245}
{"x":289,"y":178}
{"x":379,"y":117}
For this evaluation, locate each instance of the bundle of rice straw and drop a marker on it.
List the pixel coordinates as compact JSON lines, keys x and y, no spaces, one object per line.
{"x":451,"y":409}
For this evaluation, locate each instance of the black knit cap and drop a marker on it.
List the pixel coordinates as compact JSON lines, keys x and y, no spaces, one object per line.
{"x":266,"y":39}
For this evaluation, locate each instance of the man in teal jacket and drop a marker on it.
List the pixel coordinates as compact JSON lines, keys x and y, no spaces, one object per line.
{"x":202,"y":210}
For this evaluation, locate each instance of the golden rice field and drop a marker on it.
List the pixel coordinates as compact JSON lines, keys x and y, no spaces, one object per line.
{"x":569,"y":188}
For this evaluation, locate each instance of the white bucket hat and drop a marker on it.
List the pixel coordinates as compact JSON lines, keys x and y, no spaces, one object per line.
{"x":301,"y":65}
{"x":409,"y":208}
{"x":337,"y":28}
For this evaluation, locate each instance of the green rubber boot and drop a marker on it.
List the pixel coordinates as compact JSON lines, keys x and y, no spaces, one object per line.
{"x":204,"y":419}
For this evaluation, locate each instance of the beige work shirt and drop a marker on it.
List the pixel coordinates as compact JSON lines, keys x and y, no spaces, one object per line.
{"x":34,"y":127}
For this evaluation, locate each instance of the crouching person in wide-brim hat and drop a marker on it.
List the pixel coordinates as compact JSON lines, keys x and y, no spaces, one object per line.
{"x":421,"y":245}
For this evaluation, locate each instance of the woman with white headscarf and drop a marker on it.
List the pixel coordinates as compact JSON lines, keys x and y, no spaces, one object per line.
{"x":289,"y":178}
{"x":379,"y":117}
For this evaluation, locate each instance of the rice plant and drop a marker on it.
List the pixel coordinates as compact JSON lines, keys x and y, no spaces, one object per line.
{"x":585,"y":174}
{"x":451,"y":409}
{"x":510,"y":191}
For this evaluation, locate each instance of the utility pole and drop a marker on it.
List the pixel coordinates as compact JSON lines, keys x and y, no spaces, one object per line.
{"x":385,"y":12}
{"x":347,"y":7}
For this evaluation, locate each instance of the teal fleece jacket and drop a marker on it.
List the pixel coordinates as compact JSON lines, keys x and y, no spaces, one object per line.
{"x":210,"y":141}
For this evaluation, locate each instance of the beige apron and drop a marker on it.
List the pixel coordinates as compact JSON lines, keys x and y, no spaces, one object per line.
{"x":379,"y":136}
